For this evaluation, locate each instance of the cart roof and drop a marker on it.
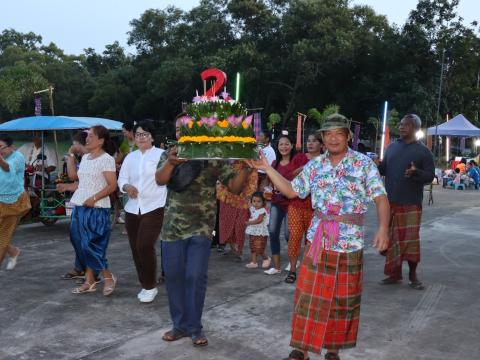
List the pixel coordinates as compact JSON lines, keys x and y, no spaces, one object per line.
{"x":58,"y":123}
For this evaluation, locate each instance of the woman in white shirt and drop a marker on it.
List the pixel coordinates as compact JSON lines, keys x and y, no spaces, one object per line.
{"x":144,"y":209}
{"x":90,"y":225}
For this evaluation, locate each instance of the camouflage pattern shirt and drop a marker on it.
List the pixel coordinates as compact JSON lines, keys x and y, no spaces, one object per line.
{"x":192,"y":212}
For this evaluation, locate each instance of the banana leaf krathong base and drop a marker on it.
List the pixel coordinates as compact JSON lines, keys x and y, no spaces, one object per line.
{"x":225,"y":151}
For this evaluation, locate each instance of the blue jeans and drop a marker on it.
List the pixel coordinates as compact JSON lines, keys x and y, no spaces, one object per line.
{"x":186,"y":264}
{"x":276,"y":217}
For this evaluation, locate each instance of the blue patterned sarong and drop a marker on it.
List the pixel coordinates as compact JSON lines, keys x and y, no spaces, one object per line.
{"x":90,"y":233}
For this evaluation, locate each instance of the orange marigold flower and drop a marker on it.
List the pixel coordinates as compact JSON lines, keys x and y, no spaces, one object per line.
{"x":223,"y":124}
{"x":245,"y":124}
{"x":190,"y":124}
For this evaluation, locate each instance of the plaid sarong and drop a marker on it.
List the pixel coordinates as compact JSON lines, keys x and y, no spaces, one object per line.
{"x":327,"y":302}
{"x":404,"y":238}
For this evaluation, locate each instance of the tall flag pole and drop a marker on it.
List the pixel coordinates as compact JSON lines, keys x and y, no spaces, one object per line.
{"x":382,"y":148}
{"x":447,"y":147}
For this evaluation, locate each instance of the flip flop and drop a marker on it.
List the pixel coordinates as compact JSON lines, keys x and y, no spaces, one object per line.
{"x":74,"y":274}
{"x":174,"y":335}
{"x":417,"y":285}
{"x":390,"y":281}
{"x":296,"y":355}
{"x":199,"y":340}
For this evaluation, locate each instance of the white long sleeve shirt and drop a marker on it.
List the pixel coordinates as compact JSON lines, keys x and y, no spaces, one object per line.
{"x":138,"y":170}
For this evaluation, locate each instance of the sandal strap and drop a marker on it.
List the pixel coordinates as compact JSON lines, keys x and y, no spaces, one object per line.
{"x":296,"y":355}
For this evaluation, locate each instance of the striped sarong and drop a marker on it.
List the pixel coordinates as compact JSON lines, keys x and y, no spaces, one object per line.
{"x":327,"y":302}
{"x":404,"y":234}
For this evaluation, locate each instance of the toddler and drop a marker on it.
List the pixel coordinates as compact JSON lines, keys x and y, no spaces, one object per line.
{"x":257,"y":229}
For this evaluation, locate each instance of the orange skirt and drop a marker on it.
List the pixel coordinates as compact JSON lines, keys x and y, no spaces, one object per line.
{"x":10,"y":215}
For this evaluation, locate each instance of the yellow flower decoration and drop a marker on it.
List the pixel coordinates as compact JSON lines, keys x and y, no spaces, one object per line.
{"x":223,"y":124}
{"x":245,"y":125}
{"x":203,"y":138}
{"x":190,"y":124}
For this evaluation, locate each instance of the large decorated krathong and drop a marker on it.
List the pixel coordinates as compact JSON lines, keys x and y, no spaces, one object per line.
{"x":216,"y":127}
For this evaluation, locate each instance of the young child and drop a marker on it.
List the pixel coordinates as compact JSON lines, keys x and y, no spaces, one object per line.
{"x":457,"y":179}
{"x":257,"y":229}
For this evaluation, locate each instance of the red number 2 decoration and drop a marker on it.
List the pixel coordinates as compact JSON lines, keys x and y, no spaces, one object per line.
{"x":219,"y":79}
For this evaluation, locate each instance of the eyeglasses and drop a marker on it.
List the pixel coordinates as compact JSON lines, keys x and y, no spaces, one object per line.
{"x":142,"y":135}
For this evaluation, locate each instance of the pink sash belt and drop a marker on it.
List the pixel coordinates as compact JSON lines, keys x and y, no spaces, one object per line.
{"x":328,"y":230}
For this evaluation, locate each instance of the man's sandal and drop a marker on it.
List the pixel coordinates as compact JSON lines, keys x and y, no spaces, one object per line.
{"x":390,"y":281}
{"x":331,"y":356}
{"x":417,"y":285}
{"x":291,"y":277}
{"x":174,"y":335}
{"x":74,"y":274}
{"x":85,"y":289}
{"x":199,"y":340}
{"x":296,"y":355}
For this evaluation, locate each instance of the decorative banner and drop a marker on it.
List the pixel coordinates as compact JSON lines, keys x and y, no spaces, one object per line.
{"x":220,"y":78}
{"x":356,"y":136}
{"x":38,"y":105}
{"x":298,"y":145}
{"x":429,"y":142}
{"x":257,"y":124}
{"x":387,"y":137}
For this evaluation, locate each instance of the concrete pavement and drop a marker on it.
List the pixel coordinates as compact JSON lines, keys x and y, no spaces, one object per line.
{"x":247,"y":314}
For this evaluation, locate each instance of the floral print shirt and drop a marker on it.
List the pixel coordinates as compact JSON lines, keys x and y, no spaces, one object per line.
{"x":348,"y":187}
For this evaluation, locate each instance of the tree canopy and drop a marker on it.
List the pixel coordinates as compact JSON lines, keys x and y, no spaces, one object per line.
{"x":293,"y":55}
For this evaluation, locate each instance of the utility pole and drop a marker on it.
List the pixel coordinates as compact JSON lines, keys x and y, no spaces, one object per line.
{"x":436,"y":142}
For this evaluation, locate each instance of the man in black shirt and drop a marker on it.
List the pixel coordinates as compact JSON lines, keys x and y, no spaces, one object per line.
{"x":407,"y":166}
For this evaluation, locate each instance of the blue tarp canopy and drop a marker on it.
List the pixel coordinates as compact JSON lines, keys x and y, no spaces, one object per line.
{"x":39,"y":123}
{"x":457,"y":126}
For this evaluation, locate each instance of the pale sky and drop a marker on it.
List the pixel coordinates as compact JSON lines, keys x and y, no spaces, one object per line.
{"x":76,"y":25}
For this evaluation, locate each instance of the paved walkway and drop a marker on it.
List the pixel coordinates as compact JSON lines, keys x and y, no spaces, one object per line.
{"x":247,"y":314}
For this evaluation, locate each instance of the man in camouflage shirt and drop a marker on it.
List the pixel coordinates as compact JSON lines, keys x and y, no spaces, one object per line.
{"x":188,"y":224}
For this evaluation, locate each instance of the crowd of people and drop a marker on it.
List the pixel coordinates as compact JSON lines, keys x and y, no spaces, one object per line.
{"x":317,"y":199}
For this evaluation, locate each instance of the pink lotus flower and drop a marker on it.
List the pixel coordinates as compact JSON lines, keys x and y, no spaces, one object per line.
{"x":184,"y":120}
{"x":225,"y":96}
{"x":249,"y":119}
{"x":210,"y":121}
{"x":198,"y":99}
{"x":235,"y":120}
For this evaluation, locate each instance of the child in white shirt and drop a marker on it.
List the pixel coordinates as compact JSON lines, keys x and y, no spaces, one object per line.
{"x":257,"y":229}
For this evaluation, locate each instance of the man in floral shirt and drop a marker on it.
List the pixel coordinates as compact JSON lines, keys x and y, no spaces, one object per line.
{"x":327,"y":299}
